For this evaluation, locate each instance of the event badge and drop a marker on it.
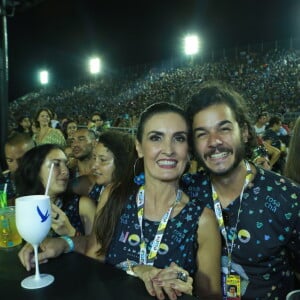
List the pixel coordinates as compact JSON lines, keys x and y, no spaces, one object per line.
{"x":233,"y":287}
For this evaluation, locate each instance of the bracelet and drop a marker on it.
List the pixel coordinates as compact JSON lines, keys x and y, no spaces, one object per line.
{"x":70,"y":243}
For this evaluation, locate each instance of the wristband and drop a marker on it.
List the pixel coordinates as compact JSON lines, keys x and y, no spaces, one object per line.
{"x":70,"y":243}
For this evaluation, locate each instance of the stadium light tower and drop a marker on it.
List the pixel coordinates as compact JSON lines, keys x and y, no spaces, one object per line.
{"x":95,"y":65}
{"x":7,"y":9}
{"x":44,"y":77}
{"x":191,"y":44}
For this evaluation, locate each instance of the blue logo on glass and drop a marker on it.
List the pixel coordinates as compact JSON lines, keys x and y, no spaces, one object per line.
{"x":44,"y":217}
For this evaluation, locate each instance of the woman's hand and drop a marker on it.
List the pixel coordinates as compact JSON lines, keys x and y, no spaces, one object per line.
{"x":147,"y":274}
{"x":169,"y":280}
{"x":60,"y":222}
{"x":162,"y":282}
{"x":50,"y":248}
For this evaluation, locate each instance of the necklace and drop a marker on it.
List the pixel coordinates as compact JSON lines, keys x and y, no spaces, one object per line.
{"x":140,"y":199}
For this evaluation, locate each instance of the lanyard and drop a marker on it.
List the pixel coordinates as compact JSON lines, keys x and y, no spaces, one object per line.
{"x":144,"y":260}
{"x":219,"y":216}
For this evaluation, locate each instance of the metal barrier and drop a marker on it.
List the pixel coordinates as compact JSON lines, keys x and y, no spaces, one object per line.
{"x":131,"y":130}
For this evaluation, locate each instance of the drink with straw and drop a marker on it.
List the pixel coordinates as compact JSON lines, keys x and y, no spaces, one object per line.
{"x":9,"y":235}
{"x":3,"y":197}
{"x":33,"y":218}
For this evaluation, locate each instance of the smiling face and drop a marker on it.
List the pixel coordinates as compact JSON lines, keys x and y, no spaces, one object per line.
{"x":218,"y":139}
{"x":60,"y":174}
{"x":164,"y":147}
{"x":43,"y":118}
{"x":103,"y":164}
{"x":71,"y":128}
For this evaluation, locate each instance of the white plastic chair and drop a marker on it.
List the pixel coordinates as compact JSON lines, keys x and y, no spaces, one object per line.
{"x":293,"y":295}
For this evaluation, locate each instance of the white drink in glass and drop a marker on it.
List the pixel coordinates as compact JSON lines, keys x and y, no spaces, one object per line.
{"x":33,"y":220}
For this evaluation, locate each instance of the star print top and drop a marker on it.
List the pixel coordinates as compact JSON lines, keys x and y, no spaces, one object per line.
{"x":267,"y":247}
{"x":179,"y":243}
{"x":95,"y":192}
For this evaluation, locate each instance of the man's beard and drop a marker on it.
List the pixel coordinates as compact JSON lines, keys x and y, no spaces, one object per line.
{"x":85,"y":156}
{"x":239,"y":156}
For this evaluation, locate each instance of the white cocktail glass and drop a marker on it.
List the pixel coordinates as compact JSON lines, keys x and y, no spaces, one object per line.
{"x":33,"y":220}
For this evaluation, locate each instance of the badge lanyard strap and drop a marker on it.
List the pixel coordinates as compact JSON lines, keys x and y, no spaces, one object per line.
{"x":144,"y":260}
{"x":219,"y":215}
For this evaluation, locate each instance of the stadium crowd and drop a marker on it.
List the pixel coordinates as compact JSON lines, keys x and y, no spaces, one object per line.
{"x":269,"y":82}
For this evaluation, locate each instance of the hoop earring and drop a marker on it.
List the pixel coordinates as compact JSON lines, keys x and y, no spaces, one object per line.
{"x":138,"y":179}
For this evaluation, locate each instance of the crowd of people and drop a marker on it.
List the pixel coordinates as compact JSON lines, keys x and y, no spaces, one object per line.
{"x":196,"y":164}
{"x":268,"y":81}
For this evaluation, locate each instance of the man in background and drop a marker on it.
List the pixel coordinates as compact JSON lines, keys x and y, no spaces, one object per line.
{"x":260,"y":125}
{"x":82,"y":145}
{"x":82,"y":181}
{"x":16,"y":146}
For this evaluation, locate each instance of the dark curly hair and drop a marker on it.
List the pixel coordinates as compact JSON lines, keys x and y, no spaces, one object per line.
{"x":212,"y":93}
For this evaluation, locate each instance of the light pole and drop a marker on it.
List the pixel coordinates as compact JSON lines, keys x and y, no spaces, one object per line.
{"x":3,"y":79}
{"x":7,"y":9}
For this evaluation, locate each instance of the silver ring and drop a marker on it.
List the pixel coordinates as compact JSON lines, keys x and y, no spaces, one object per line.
{"x":56,"y":217}
{"x":182,"y":276}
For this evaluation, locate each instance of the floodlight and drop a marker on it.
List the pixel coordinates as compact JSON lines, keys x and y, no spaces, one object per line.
{"x":95,"y":65}
{"x":44,"y":77}
{"x":191,"y":45}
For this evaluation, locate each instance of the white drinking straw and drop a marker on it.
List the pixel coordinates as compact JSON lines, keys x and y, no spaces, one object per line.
{"x":5,"y":188}
{"x":49,"y":179}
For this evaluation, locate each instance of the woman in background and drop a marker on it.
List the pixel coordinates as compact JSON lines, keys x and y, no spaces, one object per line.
{"x":71,"y":214}
{"x":46,"y":134}
{"x":70,"y":127}
{"x":113,"y":155}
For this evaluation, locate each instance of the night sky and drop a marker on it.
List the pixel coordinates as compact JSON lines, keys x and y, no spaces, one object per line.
{"x":61,"y":35}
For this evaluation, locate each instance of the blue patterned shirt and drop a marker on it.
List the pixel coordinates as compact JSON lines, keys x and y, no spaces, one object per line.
{"x":179,"y":243}
{"x":268,"y":233}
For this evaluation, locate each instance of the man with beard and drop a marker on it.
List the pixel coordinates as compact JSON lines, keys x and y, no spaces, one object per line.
{"x":82,"y":145}
{"x":257,"y":210}
{"x":83,"y":182}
